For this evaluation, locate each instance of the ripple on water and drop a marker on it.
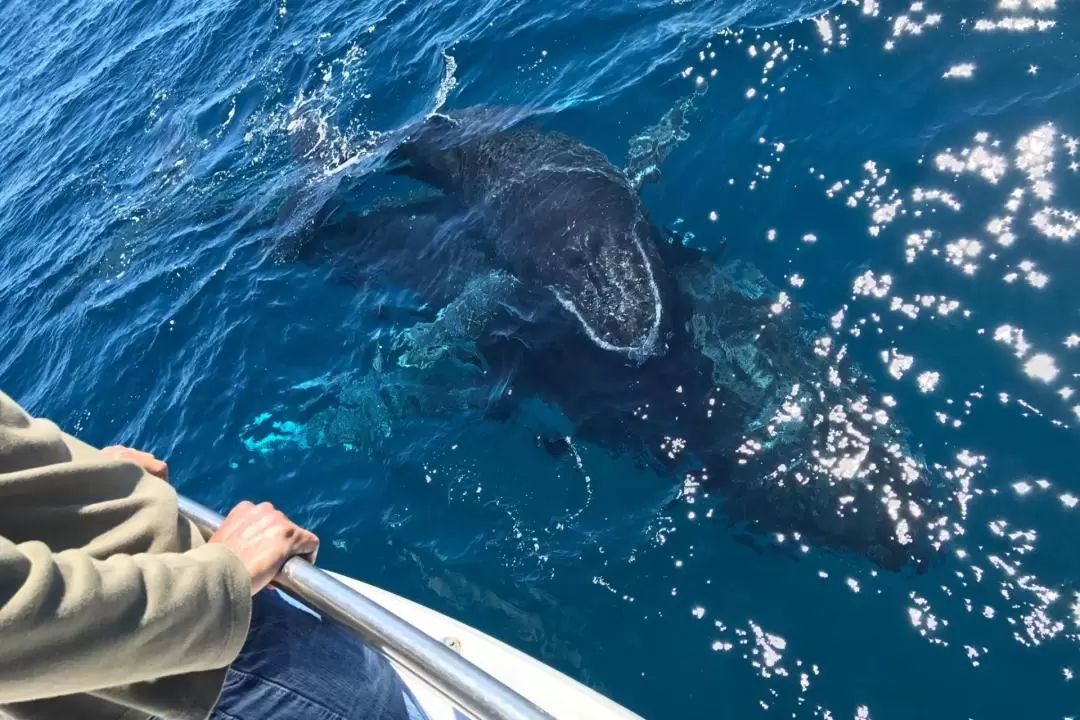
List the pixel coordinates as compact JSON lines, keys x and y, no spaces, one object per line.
{"x":904,"y":172}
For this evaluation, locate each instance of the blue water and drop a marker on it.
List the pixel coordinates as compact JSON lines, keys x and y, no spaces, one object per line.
{"x":142,"y":142}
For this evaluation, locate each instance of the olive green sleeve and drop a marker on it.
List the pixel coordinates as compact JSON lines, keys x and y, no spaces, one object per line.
{"x":70,"y":623}
{"x":102,"y":583}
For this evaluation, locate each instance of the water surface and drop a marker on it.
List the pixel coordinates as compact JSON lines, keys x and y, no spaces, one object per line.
{"x":909,"y":171}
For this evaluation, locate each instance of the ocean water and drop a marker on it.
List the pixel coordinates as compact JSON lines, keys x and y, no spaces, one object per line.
{"x":907,"y":170}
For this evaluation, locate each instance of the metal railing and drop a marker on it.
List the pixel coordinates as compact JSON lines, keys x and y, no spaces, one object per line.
{"x":471,"y":689}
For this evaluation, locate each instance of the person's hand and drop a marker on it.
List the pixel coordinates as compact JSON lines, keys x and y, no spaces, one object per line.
{"x":263,"y":538}
{"x":145,"y":460}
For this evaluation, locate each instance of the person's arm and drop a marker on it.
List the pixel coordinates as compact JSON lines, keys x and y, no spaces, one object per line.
{"x":77,"y":620}
{"x":70,"y":623}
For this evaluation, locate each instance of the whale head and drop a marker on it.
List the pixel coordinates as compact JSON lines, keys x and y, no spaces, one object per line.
{"x":607,"y":277}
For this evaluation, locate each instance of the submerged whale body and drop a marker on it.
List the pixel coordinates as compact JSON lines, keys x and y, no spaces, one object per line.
{"x":545,"y":265}
{"x":558,"y":216}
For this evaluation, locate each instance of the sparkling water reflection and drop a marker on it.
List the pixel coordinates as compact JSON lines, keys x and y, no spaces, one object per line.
{"x":902,"y":174}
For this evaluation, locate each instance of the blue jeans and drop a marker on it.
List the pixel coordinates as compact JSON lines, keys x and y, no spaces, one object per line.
{"x":296,"y":666}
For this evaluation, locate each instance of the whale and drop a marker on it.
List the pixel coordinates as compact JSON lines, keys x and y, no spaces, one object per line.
{"x":547,"y":272}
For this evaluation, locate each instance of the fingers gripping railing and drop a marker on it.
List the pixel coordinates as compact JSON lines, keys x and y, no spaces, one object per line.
{"x":471,"y":689}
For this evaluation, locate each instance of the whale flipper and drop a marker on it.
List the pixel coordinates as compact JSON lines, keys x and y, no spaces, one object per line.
{"x":650,"y":147}
{"x":454,"y":332}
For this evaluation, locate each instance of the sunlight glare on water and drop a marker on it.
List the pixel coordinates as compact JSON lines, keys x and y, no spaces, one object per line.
{"x":1017,"y":194}
{"x":894,"y":184}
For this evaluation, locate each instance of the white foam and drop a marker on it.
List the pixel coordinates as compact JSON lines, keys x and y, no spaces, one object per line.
{"x":449,"y":81}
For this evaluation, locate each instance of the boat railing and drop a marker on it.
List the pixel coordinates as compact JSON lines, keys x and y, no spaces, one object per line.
{"x":469,"y":688}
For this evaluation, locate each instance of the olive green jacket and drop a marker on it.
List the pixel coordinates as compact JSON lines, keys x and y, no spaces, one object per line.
{"x":111,"y":604}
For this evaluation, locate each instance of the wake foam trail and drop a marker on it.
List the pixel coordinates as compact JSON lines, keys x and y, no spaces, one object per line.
{"x":449,"y":82}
